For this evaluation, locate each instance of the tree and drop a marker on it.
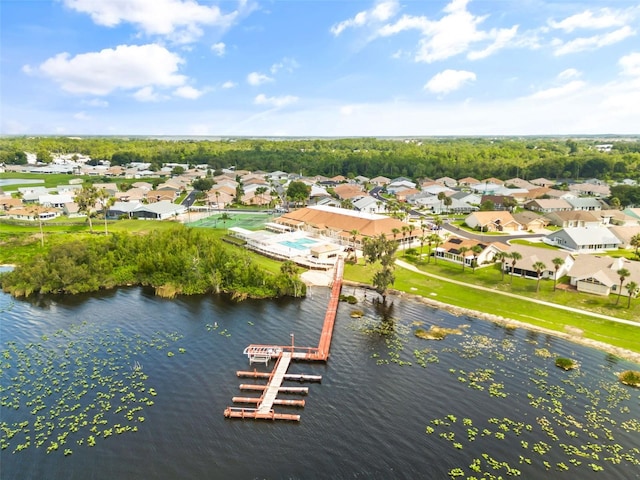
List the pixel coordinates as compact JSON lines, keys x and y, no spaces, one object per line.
{"x":406,"y":229}
{"x":177,"y":170}
{"x":502,"y":258}
{"x":106,"y":201}
{"x":515,"y":256}
{"x":260,"y":191}
{"x":395,"y":232}
{"x":632,"y":288}
{"x":635,"y":242}
{"x":477,"y":250}
{"x":437,"y":241}
{"x":441,"y":197}
{"x":354,"y":235}
{"x":43,"y":156}
{"x":448,"y":201}
{"x":557,"y":263}
{"x":462,"y":251}
{"x":381,"y":281}
{"x":86,"y":200}
{"x":298,"y":192}
{"x":202,"y":184}
{"x":623,"y":273}
{"x":487,"y":206}
{"x":539,"y":267}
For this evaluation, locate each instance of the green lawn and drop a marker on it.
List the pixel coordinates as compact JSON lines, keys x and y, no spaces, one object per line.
{"x":621,"y":335}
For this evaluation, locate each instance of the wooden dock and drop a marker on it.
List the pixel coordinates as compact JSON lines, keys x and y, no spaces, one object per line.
{"x":284,"y":355}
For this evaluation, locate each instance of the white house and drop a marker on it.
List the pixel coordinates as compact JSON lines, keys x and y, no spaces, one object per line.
{"x":583,"y":239}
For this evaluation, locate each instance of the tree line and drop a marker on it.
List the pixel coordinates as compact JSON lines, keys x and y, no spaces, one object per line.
{"x":188,"y":261}
{"x":528,"y":158}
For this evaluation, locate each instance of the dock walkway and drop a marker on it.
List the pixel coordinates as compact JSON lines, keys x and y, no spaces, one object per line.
{"x":285,"y":355}
{"x":271,"y":392}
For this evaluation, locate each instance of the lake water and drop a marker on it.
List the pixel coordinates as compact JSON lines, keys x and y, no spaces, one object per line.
{"x":390,"y":406}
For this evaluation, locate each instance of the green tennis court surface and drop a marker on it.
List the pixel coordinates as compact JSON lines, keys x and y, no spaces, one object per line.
{"x":250,"y":221}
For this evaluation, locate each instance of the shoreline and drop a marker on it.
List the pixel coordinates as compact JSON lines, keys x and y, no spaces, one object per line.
{"x":510,"y":323}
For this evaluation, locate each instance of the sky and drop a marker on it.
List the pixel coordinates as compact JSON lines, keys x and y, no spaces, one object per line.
{"x":319,"y":67}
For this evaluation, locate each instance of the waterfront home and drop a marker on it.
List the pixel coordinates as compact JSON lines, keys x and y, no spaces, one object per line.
{"x":599,"y":275}
{"x":531,"y":255}
{"x":460,"y":250}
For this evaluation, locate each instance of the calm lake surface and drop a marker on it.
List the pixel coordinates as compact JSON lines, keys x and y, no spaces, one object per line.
{"x":390,"y":406}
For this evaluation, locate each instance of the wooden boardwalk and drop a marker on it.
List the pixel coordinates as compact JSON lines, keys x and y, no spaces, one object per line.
{"x":284,"y":355}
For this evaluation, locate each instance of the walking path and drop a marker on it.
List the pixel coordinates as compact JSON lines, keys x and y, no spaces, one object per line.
{"x":413,"y":268}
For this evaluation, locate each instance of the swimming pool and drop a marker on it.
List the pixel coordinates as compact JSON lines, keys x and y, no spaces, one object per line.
{"x":298,"y":244}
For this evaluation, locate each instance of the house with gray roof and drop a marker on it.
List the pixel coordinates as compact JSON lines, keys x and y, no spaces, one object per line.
{"x":585,"y":203}
{"x":583,"y":239}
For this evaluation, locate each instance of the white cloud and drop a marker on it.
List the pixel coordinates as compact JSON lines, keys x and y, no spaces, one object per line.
{"x":180,"y":20}
{"x":630,"y":64}
{"x":277,"y":102}
{"x":219,"y":49}
{"x":125,"y":67}
{"x":96,"y":102}
{"x":147,"y":94}
{"x":381,"y":12}
{"x":453,"y":34}
{"x":188,"y":92}
{"x":591,"y":43}
{"x":559,"y":92}
{"x":229,"y":84}
{"x":256,"y":78}
{"x":81,"y":116}
{"x":568,"y":74}
{"x":604,"y":18}
{"x":286,"y":64}
{"x":449,"y":81}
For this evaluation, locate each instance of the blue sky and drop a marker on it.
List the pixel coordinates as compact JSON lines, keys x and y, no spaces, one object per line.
{"x":319,"y":68}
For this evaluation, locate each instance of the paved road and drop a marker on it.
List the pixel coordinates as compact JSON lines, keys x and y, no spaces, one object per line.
{"x":408,"y":266}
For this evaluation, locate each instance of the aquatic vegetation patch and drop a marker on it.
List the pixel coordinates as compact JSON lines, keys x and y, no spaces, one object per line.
{"x":74,"y":387}
{"x":436,"y":333}
{"x":566,"y":363}
{"x":630,"y":377}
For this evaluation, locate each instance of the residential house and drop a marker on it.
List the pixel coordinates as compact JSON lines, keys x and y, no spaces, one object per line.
{"x":598,"y":275}
{"x":632,"y":212}
{"x":368,"y":204}
{"x":380,"y":181}
{"x":493,"y":221}
{"x":585,"y":203}
{"x":362,"y":179}
{"x":486,"y":188}
{"x":346,"y":191}
{"x":401,"y":195}
{"x":590,"y":190}
{"x":617,"y":217}
{"x":447,"y":181}
{"x":52,"y":200}
{"x":573,"y":218}
{"x":544,"y":205}
{"x":520,"y":183}
{"x":468,"y":181}
{"x":498,"y":201}
{"x":466,"y":197}
{"x":33,"y":213}
{"x":543,"y":182}
{"x":452,"y":250}
{"x":110,"y":188}
{"x":532,"y":255}
{"x":493,"y":180}
{"x":583,"y":239}
{"x":625,"y":234}
{"x":530,"y":221}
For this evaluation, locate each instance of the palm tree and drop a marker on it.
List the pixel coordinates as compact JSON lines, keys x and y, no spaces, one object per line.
{"x":462,"y":251}
{"x":86,"y":202}
{"x":422,"y":240}
{"x":405,"y":230}
{"x":623,"y":273}
{"x":502,"y":258}
{"x":632,"y":288}
{"x":557,"y":263}
{"x":539,"y":267}
{"x":441,"y":197}
{"x":447,"y":202}
{"x":260,"y":191}
{"x":635,"y":242}
{"x":437,"y":241}
{"x":515,"y":256}
{"x":395,"y":232}
{"x":354,"y":234}
{"x":477,"y":250}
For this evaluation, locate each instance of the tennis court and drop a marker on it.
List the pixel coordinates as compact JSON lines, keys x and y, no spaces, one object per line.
{"x":250,"y":221}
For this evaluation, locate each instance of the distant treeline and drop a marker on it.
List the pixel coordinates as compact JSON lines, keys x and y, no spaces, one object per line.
{"x":177,"y":261}
{"x":528,"y":158}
